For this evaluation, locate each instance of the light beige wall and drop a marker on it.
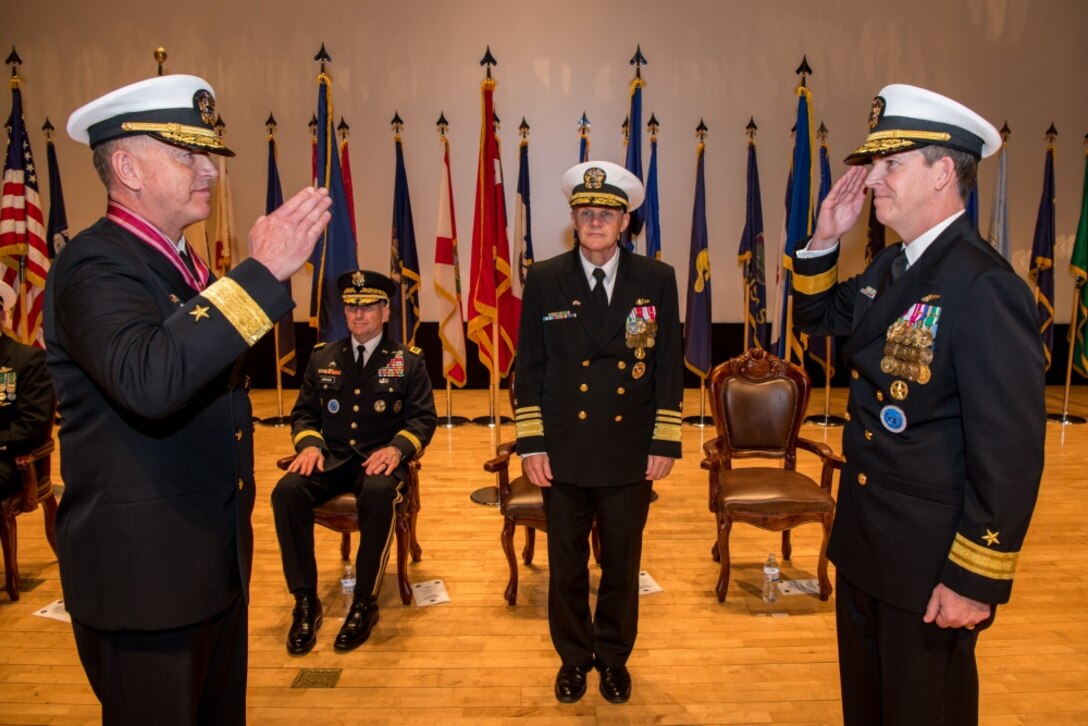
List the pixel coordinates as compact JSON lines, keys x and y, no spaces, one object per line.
{"x":724,"y":61}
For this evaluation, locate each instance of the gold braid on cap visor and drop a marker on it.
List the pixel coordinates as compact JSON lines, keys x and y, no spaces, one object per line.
{"x":597,"y":199}
{"x":880,"y":142}
{"x":191,"y":135}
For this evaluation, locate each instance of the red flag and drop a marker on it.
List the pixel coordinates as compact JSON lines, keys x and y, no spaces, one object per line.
{"x":447,"y":280}
{"x":25,"y":255}
{"x":491,"y":299}
{"x":345,"y":171}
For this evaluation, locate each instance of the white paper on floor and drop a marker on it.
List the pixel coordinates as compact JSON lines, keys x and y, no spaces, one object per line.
{"x":430,"y":592}
{"x":55,"y":611}
{"x":799,"y":587}
{"x":646,"y":584}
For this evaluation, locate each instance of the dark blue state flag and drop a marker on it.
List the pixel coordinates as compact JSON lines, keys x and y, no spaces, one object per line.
{"x":523,"y":222}
{"x":633,"y":161}
{"x":651,"y":209}
{"x":1041,"y":269}
{"x":335,"y":252}
{"x":697,"y":322}
{"x":972,"y":206}
{"x":56,"y":229}
{"x":822,"y":348}
{"x":798,"y":222}
{"x":404,"y":315}
{"x":286,"y":358}
{"x":757,"y":331}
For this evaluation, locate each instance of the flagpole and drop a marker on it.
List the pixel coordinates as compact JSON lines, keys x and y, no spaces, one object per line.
{"x":1065,"y":417}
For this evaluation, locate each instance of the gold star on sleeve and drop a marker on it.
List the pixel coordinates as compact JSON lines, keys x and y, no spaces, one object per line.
{"x":199,"y":312}
{"x":991,"y":538}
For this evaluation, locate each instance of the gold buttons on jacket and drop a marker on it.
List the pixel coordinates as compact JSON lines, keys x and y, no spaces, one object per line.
{"x":355,"y":408}
{"x":879,"y":396}
{"x":585,"y":364}
{"x":621,"y":365}
{"x":241,"y":485}
{"x":862,"y":479}
{"x":357,"y":391}
{"x":355,"y":424}
{"x":583,"y":388}
{"x":619,"y":418}
{"x":847,"y":415}
{"x":582,"y":415}
{"x":621,"y":390}
{"x":238,"y":435}
{"x":351,"y":442}
{"x":868,"y":435}
{"x":855,"y":375}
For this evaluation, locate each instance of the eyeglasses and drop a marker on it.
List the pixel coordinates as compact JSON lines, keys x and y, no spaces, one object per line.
{"x":604,"y":216}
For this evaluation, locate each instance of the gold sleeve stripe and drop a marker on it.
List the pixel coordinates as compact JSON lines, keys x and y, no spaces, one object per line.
{"x":664,"y":413}
{"x":667,"y":432}
{"x":527,"y":410}
{"x":529,"y":421}
{"x":239,"y":309}
{"x":413,"y":439}
{"x":815,"y":284}
{"x":307,"y":434}
{"x":981,"y":560}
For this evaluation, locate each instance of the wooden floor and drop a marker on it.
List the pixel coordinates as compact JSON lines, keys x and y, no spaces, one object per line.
{"x":477,"y":660}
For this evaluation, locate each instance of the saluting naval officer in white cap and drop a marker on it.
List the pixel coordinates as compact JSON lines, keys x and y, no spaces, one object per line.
{"x":598,"y":390}
{"x":153,"y":532}
{"x":944,"y":439}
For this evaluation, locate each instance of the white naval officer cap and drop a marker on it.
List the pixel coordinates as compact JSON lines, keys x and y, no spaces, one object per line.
{"x":907,"y":117}
{"x":175,"y":109}
{"x":602,"y":184}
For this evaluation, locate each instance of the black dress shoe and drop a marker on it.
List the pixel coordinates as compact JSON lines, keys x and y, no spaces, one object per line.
{"x":361,"y":619}
{"x":305,"y":620}
{"x":570,"y":684}
{"x":615,"y":684}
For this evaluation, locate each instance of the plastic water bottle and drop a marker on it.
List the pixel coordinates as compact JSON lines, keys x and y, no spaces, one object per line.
{"x":770,"y":579}
{"x":347,"y":585}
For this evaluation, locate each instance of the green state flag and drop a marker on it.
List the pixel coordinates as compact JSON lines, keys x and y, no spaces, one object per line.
{"x":1078,"y":265}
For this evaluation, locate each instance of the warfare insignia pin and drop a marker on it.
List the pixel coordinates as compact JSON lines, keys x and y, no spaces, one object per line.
{"x":877,"y":111}
{"x":594,"y":178}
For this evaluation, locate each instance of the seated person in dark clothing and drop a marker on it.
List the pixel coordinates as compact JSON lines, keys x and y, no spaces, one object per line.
{"x":364,"y":410}
{"x":26,"y":398}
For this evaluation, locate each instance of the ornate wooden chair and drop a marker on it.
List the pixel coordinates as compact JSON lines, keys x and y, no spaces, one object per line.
{"x":759,"y":403}
{"x":521,"y":504}
{"x":340,"y":515}
{"x":34,"y":468}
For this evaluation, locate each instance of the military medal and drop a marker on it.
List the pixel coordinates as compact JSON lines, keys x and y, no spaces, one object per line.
{"x":379,"y":405}
{"x":7,"y":386}
{"x":397,"y":406}
{"x":640,"y":353}
{"x":641,"y":327}
{"x":898,"y":390}
{"x":909,"y":347}
{"x":639,"y":370}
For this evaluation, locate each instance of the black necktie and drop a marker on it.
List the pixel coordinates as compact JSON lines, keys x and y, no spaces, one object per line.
{"x":360,"y":359}
{"x":899,"y":266}
{"x":600,"y":297}
{"x":188,"y":261}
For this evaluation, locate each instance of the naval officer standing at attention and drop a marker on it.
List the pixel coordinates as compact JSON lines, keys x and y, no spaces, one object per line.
{"x":153,"y":531}
{"x":944,"y":442}
{"x":599,"y":388}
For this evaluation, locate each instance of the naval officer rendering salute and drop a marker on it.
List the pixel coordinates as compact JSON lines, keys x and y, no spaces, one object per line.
{"x":153,"y":531}
{"x":599,"y":389}
{"x":944,"y":443}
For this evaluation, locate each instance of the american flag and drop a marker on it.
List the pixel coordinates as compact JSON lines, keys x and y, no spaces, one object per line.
{"x":23,"y":252}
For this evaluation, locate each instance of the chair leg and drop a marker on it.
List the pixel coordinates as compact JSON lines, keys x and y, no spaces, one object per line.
{"x":821,"y":567}
{"x":787,"y":546}
{"x":714,"y":552}
{"x":724,"y":526}
{"x":595,"y":543}
{"x":529,"y":550}
{"x":414,"y":550}
{"x":507,"y":540}
{"x":9,"y":542}
{"x":403,"y":533}
{"x":345,"y":547}
{"x":49,"y":512}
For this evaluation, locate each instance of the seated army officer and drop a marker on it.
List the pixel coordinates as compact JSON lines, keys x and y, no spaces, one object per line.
{"x":26,"y":399}
{"x":364,"y":409}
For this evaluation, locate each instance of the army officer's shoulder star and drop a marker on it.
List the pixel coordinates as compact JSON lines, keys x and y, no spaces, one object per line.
{"x":199,"y":312}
